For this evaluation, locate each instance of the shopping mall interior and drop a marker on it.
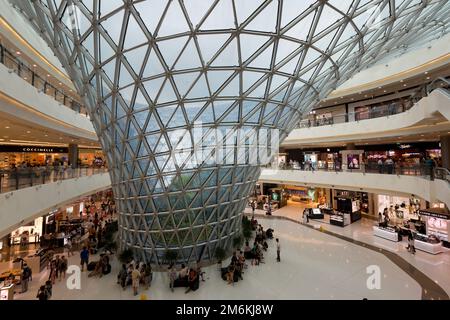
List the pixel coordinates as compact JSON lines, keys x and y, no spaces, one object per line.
{"x":225,"y":150}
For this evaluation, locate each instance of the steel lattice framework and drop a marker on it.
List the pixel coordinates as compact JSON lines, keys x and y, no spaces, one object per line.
{"x":147,"y":69}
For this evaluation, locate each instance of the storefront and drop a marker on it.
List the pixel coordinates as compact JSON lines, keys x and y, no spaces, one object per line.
{"x":91,"y":157}
{"x":29,"y":233}
{"x":437,"y":229}
{"x":31,"y":155}
{"x":399,"y":208}
{"x":404,"y":154}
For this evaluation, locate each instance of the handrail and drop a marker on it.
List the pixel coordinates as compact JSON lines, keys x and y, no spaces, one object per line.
{"x":38,"y":81}
{"x":19,"y":178}
{"x":383,"y":109}
{"x":409,"y":170}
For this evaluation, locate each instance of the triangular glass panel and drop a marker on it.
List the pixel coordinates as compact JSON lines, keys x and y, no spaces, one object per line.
{"x":245,"y":8}
{"x":199,"y":90}
{"x":113,"y":26}
{"x":232,"y":88}
{"x":152,"y":87}
{"x":136,"y":57}
{"x":189,"y":58}
{"x":184,"y":81}
{"x":266,"y":20}
{"x":150,"y":11}
{"x":219,"y":17}
{"x":197,"y":9}
{"x":174,"y":21}
{"x":217,"y":77}
{"x":293,"y":8}
{"x":135,"y":35}
{"x":228,"y":57}
{"x":171,"y":49}
{"x":167,"y":93}
{"x":210,"y":43}
{"x":165,"y":113}
{"x":153,"y":66}
{"x":250,"y":43}
{"x":301,"y":30}
{"x":263,"y":60}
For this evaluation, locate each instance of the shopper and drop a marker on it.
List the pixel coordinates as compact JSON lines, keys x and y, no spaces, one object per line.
{"x":192,"y":280}
{"x":26,"y":275}
{"x":42,"y":293}
{"x":278,"y":250}
{"x":135,"y":277}
{"x":122,"y":277}
{"x":53,"y":272}
{"x":84,"y":256}
{"x":253,"y":205}
{"x":411,"y":247}
{"x":63,"y":265}
{"x":172,"y":272}
{"x":380,"y":165}
{"x":69,"y":247}
{"x":147,"y":275}
{"x":48,"y":289}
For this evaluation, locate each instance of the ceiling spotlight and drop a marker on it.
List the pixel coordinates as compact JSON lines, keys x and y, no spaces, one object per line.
{"x":380,"y":87}
{"x":428,"y":78}
{"x":7,"y":127}
{"x":18,"y":52}
{"x":401,"y":80}
{"x":60,"y":84}
{"x":426,"y":72}
{"x":48,"y":75}
{"x":46,"y":135}
{"x":34,"y":65}
{"x":404,"y":85}
{"x":384,"y":90}
{"x":28,"y":131}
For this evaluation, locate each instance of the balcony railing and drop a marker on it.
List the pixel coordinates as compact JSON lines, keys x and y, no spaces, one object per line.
{"x":384,"y":109}
{"x":396,"y":169}
{"x":19,"y":178}
{"x":37,"y":80}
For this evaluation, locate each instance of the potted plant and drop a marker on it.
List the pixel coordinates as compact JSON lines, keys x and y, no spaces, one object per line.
{"x":219,"y":254}
{"x":237,"y":242}
{"x":126,"y":256}
{"x":170,"y":256}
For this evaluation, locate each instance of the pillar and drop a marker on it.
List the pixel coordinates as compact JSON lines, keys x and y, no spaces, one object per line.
{"x":445,"y":150}
{"x":73,"y":155}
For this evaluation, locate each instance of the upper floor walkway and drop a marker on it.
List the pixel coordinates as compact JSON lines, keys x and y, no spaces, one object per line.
{"x":430,"y":114}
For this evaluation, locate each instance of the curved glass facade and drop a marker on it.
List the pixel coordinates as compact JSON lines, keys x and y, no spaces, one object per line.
{"x":188,"y":98}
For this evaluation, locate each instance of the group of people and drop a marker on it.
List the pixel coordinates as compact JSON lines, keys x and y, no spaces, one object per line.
{"x":185,"y":277}
{"x":236,"y":267}
{"x":135,"y":274}
{"x":58,"y":267}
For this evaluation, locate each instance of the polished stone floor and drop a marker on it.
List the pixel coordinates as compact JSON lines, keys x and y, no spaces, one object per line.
{"x":434,"y":266}
{"x":314,"y":265}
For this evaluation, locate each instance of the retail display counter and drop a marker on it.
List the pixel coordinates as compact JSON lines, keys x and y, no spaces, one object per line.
{"x":315,"y":213}
{"x":7,"y":292}
{"x":340,"y":219}
{"x":428,"y":244}
{"x":386,"y":233}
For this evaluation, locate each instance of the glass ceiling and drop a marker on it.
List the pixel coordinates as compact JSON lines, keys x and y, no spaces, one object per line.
{"x":148,"y":68}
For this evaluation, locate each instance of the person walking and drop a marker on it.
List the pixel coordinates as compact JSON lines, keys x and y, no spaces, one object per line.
{"x":84,"y":256}
{"x":411,"y":247}
{"x":278,"y":250}
{"x":172,"y":272}
{"x":253,"y":205}
{"x":380,"y":165}
{"x":42,"y":294}
{"x":135,"y":277}
{"x":122,"y":277}
{"x":63,"y":265}
{"x":26,"y":275}
{"x":69,"y":247}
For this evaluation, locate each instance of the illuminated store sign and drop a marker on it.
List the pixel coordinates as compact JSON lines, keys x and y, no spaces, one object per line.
{"x":36,"y":149}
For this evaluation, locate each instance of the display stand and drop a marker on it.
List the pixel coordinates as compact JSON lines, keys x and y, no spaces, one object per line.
{"x":433,"y":248}
{"x":385,"y":233}
{"x":7,"y":292}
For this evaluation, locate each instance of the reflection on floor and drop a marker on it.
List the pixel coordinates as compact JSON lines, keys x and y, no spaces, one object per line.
{"x":434,"y":266}
{"x":314,"y":266}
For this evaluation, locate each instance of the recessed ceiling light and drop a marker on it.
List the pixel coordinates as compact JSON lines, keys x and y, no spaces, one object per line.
{"x":401,"y":80}
{"x":60,"y":138}
{"x":25,"y":78}
{"x":34,"y":65}
{"x":48,"y":75}
{"x":46,"y":135}
{"x":7,"y":127}
{"x":18,"y":52}
{"x":404,"y":85}
{"x":352,"y":99}
{"x":422,"y":135}
{"x":60,"y":84}
{"x":428,"y":78}
{"x":28,"y":131}
{"x":384,"y":90}
{"x":426,"y":72}
{"x":380,"y":87}
{"x":342,"y":97}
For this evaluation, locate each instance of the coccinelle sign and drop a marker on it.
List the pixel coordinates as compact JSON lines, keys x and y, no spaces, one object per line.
{"x":35,"y":149}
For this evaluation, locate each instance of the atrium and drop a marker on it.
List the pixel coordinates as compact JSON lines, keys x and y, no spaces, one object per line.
{"x":224,"y":150}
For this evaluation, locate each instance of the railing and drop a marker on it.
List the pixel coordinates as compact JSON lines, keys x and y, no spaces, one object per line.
{"x":383,"y":109}
{"x":442,"y":174}
{"x":38,"y":81}
{"x":20,"y":178}
{"x":397,"y":169}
